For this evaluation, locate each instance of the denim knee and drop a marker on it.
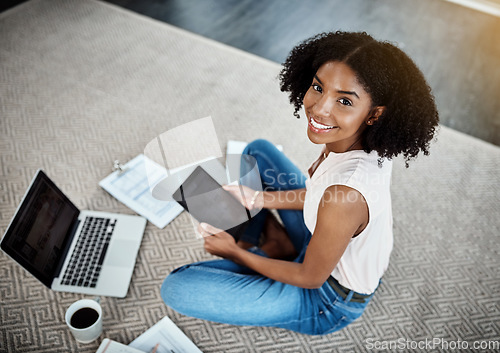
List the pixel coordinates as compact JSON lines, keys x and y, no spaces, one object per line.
{"x":257,"y":145}
{"x":170,"y":289}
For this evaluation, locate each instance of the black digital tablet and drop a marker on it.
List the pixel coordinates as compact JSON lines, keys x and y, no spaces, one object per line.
{"x":205,"y":199}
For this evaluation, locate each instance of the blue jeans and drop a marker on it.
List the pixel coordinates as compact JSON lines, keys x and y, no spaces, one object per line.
{"x":223,"y":291}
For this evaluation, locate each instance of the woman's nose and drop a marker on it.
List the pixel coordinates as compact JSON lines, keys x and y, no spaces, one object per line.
{"x":323,"y":107}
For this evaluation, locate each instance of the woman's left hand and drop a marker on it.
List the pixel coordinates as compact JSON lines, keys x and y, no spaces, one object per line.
{"x":217,"y":241}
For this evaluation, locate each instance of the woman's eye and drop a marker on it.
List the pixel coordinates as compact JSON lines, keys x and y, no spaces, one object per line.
{"x":345,"y":101}
{"x":316,"y":87}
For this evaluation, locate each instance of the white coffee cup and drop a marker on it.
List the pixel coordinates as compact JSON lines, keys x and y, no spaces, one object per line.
{"x":86,"y":325}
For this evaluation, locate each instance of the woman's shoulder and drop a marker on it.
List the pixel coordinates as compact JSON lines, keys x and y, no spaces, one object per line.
{"x":357,"y":163}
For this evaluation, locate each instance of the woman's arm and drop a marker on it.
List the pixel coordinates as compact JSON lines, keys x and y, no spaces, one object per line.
{"x":342,"y":213}
{"x":289,"y":199}
{"x":251,"y":199}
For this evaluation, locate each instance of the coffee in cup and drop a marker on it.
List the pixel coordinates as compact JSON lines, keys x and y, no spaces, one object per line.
{"x":84,"y":319}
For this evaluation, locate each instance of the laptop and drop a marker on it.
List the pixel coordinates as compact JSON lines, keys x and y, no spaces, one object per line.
{"x":70,"y":250}
{"x":205,"y":199}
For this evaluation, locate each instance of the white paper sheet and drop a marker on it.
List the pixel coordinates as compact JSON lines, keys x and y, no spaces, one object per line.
{"x":169,"y":337}
{"x":132,"y":188}
{"x":110,"y":346}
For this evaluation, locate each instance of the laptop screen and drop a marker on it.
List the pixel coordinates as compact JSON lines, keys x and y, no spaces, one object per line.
{"x":39,"y":231}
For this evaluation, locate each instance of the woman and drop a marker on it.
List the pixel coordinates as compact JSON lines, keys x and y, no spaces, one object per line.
{"x":365,"y":102}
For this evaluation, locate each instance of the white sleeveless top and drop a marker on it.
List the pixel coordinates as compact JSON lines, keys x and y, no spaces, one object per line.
{"x":367,"y":255}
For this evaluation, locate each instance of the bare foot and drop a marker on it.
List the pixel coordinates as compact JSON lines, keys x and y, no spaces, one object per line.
{"x":277,"y":244}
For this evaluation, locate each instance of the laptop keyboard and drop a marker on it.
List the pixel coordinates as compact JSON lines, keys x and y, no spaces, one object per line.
{"x":86,"y":261}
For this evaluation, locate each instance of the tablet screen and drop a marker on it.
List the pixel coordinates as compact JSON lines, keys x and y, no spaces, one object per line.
{"x":205,"y":199}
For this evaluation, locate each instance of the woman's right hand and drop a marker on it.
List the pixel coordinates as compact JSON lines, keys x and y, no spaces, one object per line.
{"x":248,"y":197}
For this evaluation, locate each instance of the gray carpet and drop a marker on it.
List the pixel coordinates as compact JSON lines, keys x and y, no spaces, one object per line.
{"x":83,"y":83}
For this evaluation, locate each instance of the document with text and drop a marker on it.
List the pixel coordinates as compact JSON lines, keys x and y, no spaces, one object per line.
{"x":166,"y":337}
{"x":132,"y":187}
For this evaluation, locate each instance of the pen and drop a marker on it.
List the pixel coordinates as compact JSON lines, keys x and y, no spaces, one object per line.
{"x":155,"y":348}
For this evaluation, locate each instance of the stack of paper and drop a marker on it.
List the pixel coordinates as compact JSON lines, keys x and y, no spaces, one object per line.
{"x":163,"y":337}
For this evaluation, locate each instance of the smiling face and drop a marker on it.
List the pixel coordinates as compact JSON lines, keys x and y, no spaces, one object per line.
{"x":338,"y":108}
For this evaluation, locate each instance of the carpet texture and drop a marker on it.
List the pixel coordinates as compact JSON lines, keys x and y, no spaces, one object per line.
{"x":83,"y":83}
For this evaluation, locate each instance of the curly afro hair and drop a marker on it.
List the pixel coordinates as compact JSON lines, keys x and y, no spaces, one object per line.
{"x":390,"y":77}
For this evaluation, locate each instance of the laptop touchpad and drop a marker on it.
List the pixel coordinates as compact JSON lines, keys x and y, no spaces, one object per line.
{"x":121,"y":254}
